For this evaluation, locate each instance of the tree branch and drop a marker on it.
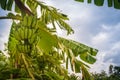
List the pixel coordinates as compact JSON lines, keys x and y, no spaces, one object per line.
{"x":6,"y":17}
{"x":22,"y":7}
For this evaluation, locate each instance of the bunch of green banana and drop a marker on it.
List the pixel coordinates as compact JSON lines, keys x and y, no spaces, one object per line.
{"x":29,"y":21}
{"x":24,"y":48}
{"x":24,"y":33}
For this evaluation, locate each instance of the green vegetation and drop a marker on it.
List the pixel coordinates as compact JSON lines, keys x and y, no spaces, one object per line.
{"x":35,"y":51}
{"x":114,"y":74}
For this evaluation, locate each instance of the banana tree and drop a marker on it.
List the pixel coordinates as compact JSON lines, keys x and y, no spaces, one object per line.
{"x":110,"y":3}
{"x":36,"y":51}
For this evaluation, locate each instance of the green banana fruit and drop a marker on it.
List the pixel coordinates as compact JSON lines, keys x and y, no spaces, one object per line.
{"x":25,"y":20}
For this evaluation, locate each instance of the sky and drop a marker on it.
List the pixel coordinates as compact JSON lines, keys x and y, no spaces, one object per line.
{"x":4,"y":29}
{"x":94,"y":26}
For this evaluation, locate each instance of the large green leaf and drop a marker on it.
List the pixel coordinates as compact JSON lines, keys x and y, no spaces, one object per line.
{"x":51,"y":15}
{"x":78,"y":48}
{"x":101,"y":2}
{"x":47,"y":41}
{"x":74,"y":49}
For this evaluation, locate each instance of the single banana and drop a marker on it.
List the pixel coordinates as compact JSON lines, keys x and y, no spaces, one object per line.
{"x":25,"y":33}
{"x":29,"y":33}
{"x":34,"y":22}
{"x":29,"y":22}
{"x":25,"y":20}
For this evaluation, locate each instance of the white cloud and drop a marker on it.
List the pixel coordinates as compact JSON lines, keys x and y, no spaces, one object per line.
{"x":108,"y":43}
{"x":100,"y":39}
{"x":112,"y":55}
